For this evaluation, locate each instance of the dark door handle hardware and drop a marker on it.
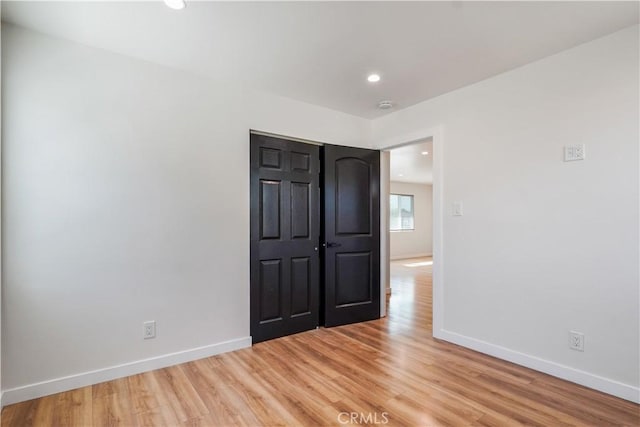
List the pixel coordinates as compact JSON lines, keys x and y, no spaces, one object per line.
{"x":332,"y":245}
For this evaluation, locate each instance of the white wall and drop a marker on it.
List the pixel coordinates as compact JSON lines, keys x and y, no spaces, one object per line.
{"x":0,"y":215}
{"x":544,"y":246}
{"x":127,"y":199}
{"x":417,"y":242}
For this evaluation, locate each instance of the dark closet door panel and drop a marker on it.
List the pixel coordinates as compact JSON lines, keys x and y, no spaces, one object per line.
{"x":271,"y":158}
{"x":300,"y":210}
{"x":270,"y":290}
{"x":300,"y":286}
{"x":300,"y":162}
{"x":270,"y":214}
{"x":353,"y":210}
{"x":353,"y":278}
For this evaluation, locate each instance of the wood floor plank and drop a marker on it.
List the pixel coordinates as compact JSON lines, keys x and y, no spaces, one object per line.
{"x":119,"y":386}
{"x":143,"y":392}
{"x":180,"y":393}
{"x":111,"y":410}
{"x":45,"y":410}
{"x":21,"y":414}
{"x":157,"y":416}
{"x":200,"y":373}
{"x":260,"y":396}
{"x":74,"y":408}
{"x":390,"y":369}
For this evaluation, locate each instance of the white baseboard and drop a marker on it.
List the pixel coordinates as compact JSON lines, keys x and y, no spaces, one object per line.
{"x":44,"y":388}
{"x":605,"y":385}
{"x":409,"y":256}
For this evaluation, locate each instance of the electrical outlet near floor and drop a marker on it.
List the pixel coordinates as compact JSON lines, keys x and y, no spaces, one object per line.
{"x":576,"y":341}
{"x":573,"y":152}
{"x":149,"y":329}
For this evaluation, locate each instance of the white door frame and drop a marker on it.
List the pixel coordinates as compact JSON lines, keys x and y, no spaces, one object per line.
{"x":438,"y":216}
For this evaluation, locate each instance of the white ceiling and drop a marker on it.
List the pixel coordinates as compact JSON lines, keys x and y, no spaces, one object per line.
{"x":408,"y":164}
{"x":321,"y":52}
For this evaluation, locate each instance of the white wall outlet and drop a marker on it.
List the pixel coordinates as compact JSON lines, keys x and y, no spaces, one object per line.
{"x":576,"y":341}
{"x":149,"y":329}
{"x":573,"y":152}
{"x":457,"y":209}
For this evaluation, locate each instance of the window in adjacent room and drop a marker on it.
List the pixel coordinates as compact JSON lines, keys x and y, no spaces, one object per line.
{"x":401,"y":217}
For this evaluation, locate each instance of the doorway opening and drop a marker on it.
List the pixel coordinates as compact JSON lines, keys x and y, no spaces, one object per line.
{"x":434,"y":272}
{"x":410,"y":228}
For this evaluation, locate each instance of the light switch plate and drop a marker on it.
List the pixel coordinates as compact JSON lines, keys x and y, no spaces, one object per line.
{"x":457,"y":209}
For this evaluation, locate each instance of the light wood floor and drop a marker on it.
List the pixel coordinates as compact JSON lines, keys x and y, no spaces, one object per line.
{"x":387,"y":370}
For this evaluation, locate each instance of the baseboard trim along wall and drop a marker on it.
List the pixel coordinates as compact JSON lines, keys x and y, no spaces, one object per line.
{"x":605,"y":385}
{"x":33,"y":391}
{"x":397,"y":257}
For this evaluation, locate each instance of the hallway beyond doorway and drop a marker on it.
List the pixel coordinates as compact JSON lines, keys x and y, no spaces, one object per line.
{"x":410,"y":302}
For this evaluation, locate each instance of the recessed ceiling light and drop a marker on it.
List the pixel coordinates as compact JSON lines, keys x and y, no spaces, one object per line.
{"x":424,"y":153}
{"x":175,"y":4}
{"x":400,"y":174}
{"x":373,"y":78}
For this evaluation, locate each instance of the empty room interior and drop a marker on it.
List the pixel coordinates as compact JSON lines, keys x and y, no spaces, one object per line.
{"x":320,"y":213}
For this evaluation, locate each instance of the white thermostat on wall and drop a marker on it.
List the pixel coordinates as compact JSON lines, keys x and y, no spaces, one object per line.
{"x":573,"y":152}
